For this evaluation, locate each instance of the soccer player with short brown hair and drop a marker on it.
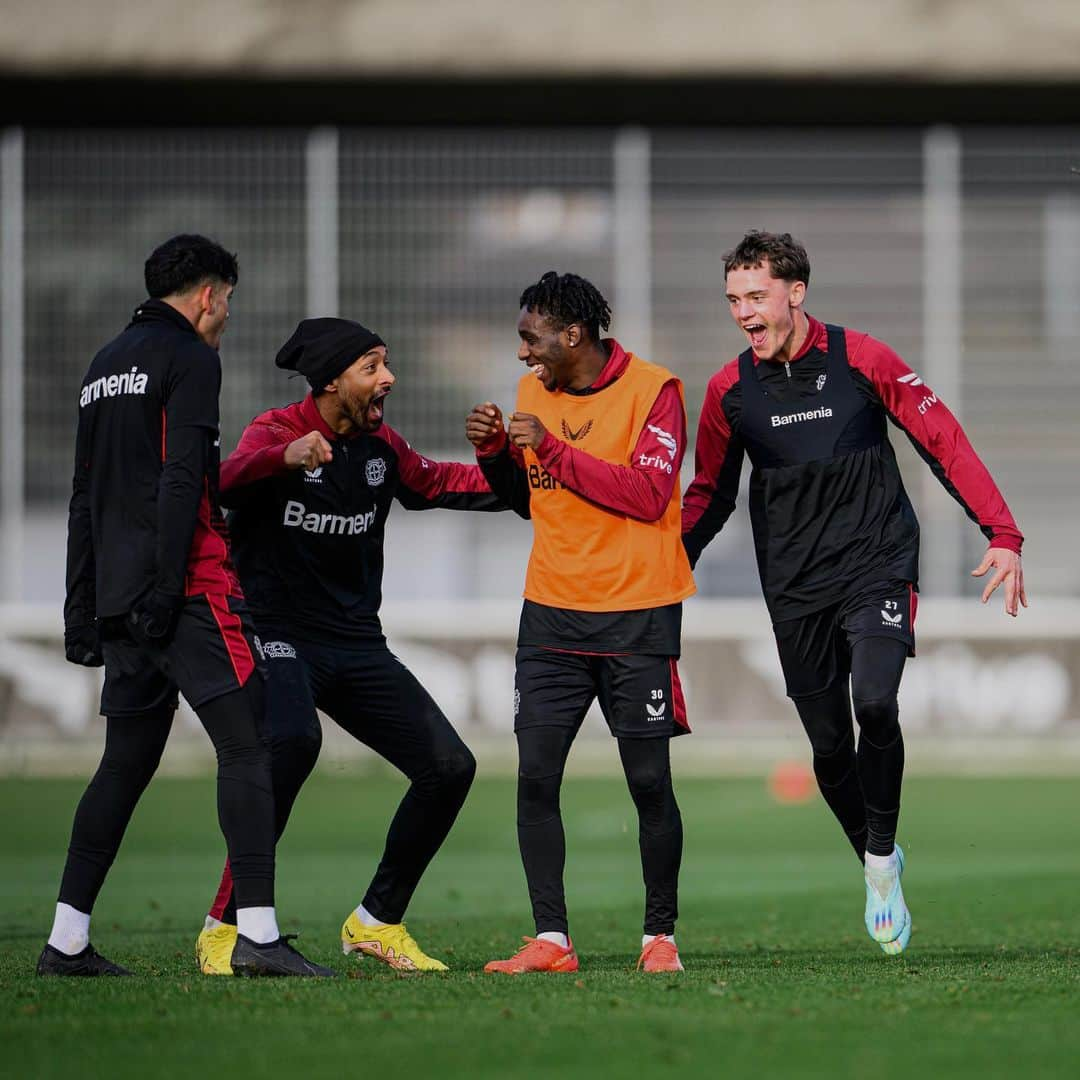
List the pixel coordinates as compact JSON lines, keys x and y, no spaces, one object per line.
{"x":836,"y":535}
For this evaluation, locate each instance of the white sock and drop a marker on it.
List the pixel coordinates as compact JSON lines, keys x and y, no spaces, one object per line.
{"x":210,"y":923}
{"x":70,"y":930}
{"x":556,"y":937}
{"x":881,"y":862}
{"x":646,"y":938}
{"x":366,"y":918}
{"x":258,"y":924}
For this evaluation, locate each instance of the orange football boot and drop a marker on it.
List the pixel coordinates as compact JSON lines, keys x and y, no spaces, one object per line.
{"x":537,"y":955}
{"x":660,"y":955}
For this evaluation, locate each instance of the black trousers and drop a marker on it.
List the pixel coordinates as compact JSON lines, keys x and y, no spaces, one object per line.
{"x":861,"y":785}
{"x":377,"y":700}
{"x":850,"y":656}
{"x":133,"y":746}
{"x":642,"y":702}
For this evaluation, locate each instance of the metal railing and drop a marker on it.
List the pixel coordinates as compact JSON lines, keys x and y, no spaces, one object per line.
{"x":959,"y":248}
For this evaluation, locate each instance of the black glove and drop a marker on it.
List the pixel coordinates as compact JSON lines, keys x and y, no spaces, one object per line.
{"x":153,"y":621}
{"x":82,"y":645}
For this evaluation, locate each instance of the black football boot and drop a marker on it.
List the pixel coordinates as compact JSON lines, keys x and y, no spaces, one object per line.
{"x":88,"y":962}
{"x":274,"y":958}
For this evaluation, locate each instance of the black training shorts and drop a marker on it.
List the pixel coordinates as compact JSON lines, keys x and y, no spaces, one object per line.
{"x":213,"y":652}
{"x":364,"y":688}
{"x":640,"y":695}
{"x":815,"y":650}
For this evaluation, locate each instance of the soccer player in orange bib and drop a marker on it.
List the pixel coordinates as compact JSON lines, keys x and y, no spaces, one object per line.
{"x":592,"y":455}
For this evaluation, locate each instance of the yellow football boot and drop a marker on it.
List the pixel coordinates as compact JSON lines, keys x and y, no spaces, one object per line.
{"x":213,"y":949}
{"x":391,"y":943}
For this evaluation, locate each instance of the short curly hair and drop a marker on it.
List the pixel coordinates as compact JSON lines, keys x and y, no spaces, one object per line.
{"x":786,"y":257}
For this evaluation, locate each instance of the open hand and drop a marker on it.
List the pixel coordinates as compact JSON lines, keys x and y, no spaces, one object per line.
{"x":1009,"y":573}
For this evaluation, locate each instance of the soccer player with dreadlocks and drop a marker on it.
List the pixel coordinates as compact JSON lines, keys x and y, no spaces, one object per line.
{"x":592,"y":455}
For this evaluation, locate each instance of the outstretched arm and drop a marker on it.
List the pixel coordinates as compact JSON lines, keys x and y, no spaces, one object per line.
{"x":502,"y":463}
{"x":941,"y":442}
{"x":427,"y":484}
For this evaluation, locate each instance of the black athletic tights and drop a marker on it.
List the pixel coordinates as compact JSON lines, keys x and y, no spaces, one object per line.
{"x":133,"y":747}
{"x":861,"y":787}
{"x":542,"y":755}
{"x":378,"y":701}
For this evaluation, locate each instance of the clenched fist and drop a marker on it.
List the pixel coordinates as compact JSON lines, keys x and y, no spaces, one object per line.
{"x":526,"y":430}
{"x":308,"y":452}
{"x":484,"y":424}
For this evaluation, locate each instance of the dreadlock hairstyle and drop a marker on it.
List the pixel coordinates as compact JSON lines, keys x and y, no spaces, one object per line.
{"x":786,"y":257}
{"x":566,"y":299}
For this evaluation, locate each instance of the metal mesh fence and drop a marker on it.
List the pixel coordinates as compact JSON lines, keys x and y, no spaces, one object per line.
{"x":436,"y":233}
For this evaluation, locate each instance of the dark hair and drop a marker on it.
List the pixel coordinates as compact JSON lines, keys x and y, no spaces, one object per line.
{"x":566,"y":299}
{"x":185,"y":261}
{"x":787,"y":258}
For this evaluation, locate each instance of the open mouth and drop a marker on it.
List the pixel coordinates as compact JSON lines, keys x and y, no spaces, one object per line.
{"x":375,"y":408}
{"x":757,"y":333}
{"x":540,"y":371}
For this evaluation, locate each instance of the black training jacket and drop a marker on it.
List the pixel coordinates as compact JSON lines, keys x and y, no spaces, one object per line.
{"x":144,"y":513}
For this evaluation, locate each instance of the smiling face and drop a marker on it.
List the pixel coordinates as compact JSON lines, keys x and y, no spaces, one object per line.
{"x":361,"y":388}
{"x":768,"y":310}
{"x":547,"y":349}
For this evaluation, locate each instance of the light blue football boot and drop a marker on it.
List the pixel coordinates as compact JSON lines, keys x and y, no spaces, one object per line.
{"x":887,"y":916}
{"x":895,"y":948}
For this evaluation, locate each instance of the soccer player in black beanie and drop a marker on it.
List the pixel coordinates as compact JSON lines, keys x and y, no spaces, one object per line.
{"x":152,"y":595}
{"x":311,"y":486}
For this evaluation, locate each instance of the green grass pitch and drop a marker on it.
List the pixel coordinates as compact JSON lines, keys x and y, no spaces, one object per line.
{"x":781,"y":979}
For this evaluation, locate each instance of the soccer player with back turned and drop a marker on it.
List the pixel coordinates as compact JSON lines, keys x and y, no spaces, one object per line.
{"x":151,"y":594}
{"x":592,"y":455}
{"x":836,"y":537}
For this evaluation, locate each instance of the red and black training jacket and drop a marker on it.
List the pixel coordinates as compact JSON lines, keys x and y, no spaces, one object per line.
{"x":144,"y":511}
{"x":828,"y":508}
{"x":309,"y":544}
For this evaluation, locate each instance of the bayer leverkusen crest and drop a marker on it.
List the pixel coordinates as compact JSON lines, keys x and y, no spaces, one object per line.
{"x":375,"y":472}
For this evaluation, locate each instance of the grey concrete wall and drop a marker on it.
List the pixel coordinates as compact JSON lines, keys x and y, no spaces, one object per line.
{"x":947,"y":39}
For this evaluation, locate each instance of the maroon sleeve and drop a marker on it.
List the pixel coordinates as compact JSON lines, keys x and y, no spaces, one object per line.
{"x":426,"y":484}
{"x":496,"y":444}
{"x":718,"y":454}
{"x":938,"y":437}
{"x":259,"y":454}
{"x":641,"y":490}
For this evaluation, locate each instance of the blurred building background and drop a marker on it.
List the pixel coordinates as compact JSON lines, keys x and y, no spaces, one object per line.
{"x":415,"y":165}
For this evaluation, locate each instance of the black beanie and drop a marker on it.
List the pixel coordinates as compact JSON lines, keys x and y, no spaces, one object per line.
{"x":321,"y":349}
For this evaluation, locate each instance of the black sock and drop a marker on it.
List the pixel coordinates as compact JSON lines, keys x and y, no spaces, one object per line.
{"x":423,"y":820}
{"x":877,"y":665}
{"x":245,"y":790}
{"x":292,"y":757}
{"x":881,"y":771}
{"x":838,"y":781}
{"x":827,"y":720}
{"x":660,"y":832}
{"x":541,"y":758}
